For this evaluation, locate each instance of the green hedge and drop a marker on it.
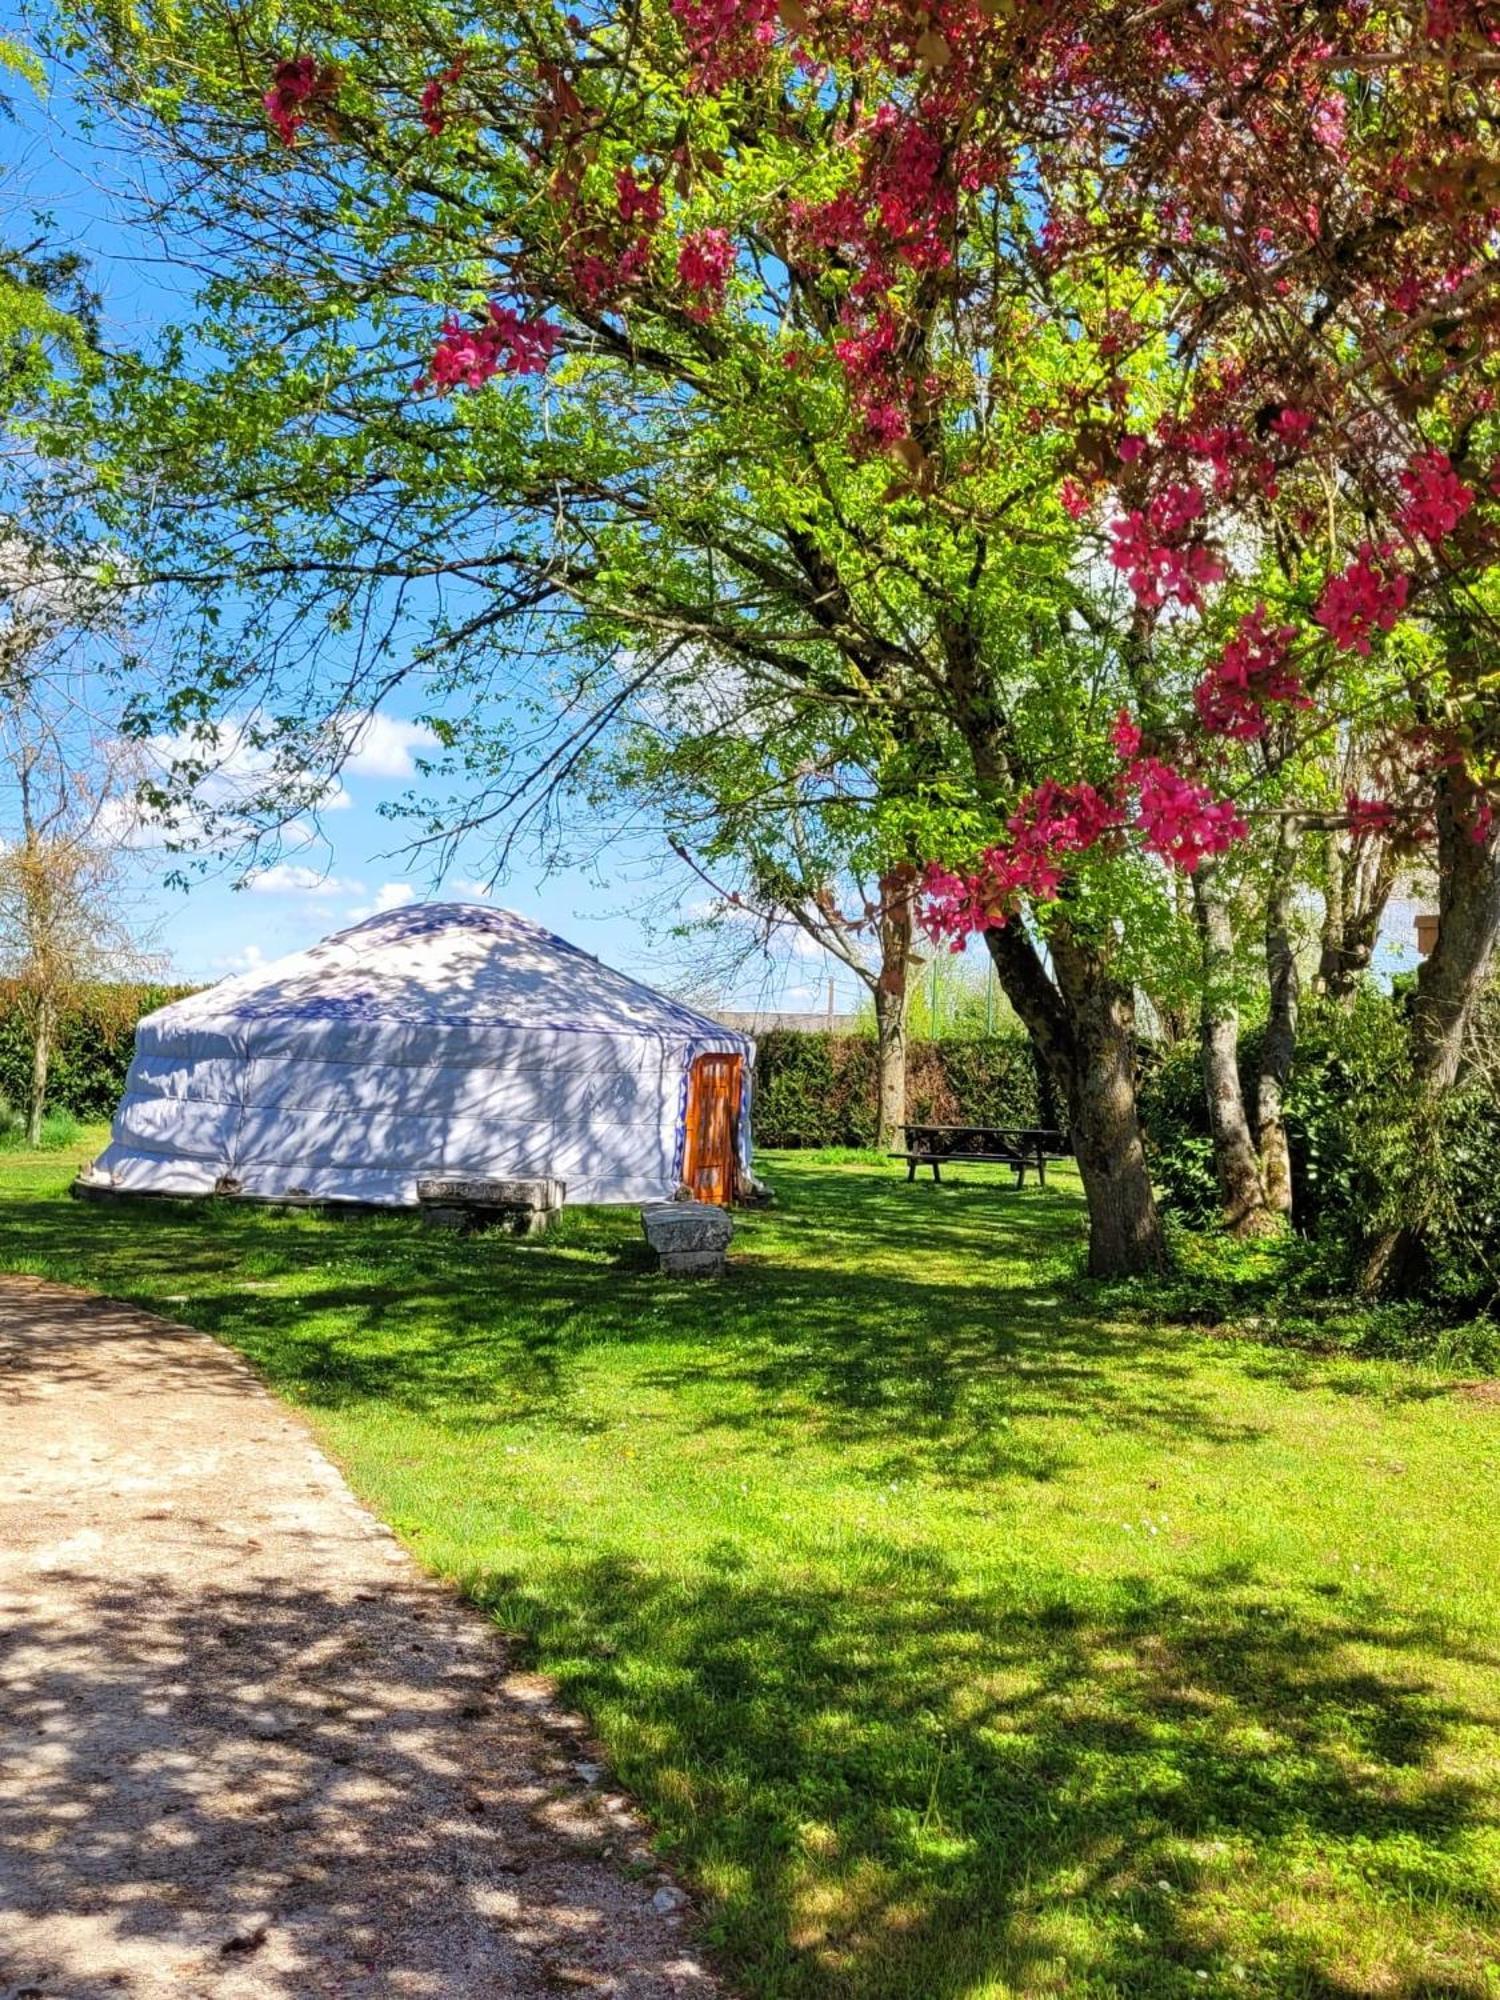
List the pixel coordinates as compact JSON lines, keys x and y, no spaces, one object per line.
{"x":94,"y":1042}
{"x":810,"y":1090}
{"x":819,"y":1090}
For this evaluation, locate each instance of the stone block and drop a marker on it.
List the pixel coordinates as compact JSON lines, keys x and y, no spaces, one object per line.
{"x":473,"y":1191}
{"x":467,"y":1202}
{"x":692,"y":1263}
{"x":689,"y":1237}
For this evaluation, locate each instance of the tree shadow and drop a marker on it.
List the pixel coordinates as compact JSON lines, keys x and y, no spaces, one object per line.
{"x":920,"y":1325}
{"x":899,"y":1785}
{"x":339,"y":1791}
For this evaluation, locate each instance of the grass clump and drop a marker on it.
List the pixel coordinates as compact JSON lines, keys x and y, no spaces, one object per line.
{"x":59,"y":1129}
{"x":964,"y":1637}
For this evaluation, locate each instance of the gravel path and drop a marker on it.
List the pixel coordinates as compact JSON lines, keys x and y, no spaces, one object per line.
{"x":246,"y":1748}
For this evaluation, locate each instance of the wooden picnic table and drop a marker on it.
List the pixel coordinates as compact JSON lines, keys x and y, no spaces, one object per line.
{"x":1018,"y":1146}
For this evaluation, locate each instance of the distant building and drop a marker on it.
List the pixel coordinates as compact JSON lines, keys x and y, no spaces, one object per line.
{"x":825,"y":1023}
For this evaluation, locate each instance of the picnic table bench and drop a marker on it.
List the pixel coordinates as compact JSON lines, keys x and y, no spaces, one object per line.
{"x":1018,"y":1146}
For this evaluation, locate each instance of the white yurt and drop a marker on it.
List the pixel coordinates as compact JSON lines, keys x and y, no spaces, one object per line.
{"x":440,"y":1039}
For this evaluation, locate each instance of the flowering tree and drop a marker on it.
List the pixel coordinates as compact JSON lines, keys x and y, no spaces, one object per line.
{"x":1096,"y":393}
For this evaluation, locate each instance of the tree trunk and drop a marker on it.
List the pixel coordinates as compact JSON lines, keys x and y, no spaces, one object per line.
{"x":898,"y":891}
{"x":1449,"y":985}
{"x":1359,"y":877}
{"x":890,"y":1046}
{"x":1453,"y":975}
{"x":1280,"y":1043}
{"x":1242,"y":1193}
{"x":41,"y":1063}
{"x":1083,"y":1025}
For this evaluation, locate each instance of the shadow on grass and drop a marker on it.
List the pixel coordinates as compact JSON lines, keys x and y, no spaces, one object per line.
{"x":901,"y":1783}
{"x":900,"y":1787}
{"x":920,"y":1323}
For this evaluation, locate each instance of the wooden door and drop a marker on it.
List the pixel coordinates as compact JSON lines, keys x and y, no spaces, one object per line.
{"x":713,"y":1119}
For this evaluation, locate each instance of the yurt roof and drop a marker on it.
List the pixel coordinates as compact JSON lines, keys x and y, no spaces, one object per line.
{"x":446,"y":963}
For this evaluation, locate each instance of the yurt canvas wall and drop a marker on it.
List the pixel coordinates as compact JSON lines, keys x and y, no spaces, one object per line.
{"x":445,"y":1039}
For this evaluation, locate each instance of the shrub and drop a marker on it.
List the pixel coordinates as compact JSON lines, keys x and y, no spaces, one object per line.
{"x":1355,"y":1139}
{"x":820,"y":1090}
{"x":94,"y":1042}
{"x":59,"y":1129}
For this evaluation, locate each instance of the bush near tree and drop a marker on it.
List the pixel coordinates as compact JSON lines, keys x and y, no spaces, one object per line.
{"x":95,"y":1038}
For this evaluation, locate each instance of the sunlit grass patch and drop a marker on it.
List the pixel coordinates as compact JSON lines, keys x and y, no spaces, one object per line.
{"x":961,"y":1642}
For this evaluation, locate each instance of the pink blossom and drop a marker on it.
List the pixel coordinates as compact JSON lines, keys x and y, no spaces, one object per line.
{"x":1295,"y":427}
{"x":637,"y":201}
{"x":1368,"y":816}
{"x":727,"y":38}
{"x":1250,"y":672}
{"x":703,"y":264}
{"x":1159,"y":571}
{"x":1130,"y":449}
{"x":434,"y":114}
{"x":1048,"y":826}
{"x":467,"y":356}
{"x":1182,"y":821}
{"x":1125,"y":736}
{"x":1074,"y":498}
{"x":296,"y":83}
{"x":1175,"y":509}
{"x":1437,"y":498}
{"x":885,"y":423}
{"x":1360,"y":601}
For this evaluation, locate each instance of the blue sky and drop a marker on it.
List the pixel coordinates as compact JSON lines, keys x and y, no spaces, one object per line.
{"x":354,"y":864}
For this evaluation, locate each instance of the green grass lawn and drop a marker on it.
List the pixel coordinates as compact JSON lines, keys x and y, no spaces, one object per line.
{"x":958,"y":1644}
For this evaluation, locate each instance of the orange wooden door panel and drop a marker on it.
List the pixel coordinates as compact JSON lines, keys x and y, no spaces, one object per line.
{"x":713,"y":1116}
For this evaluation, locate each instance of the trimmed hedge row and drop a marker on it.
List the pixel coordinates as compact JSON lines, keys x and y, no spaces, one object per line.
{"x":820,"y":1090}
{"x":810,"y":1090}
{"x":94,"y":1041}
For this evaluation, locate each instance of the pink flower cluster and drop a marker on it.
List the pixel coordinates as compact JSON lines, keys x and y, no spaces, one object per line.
{"x":1294,"y":427}
{"x":1251,"y":671}
{"x":727,"y":39}
{"x":877,"y":384}
{"x":1437,"y":499}
{"x":1368,"y":816}
{"x":1156,"y":555}
{"x":599,"y":279}
{"x":1181,"y":821}
{"x":704,"y":263}
{"x":907,"y":197}
{"x":434,"y":92}
{"x":638,"y":201}
{"x":295,"y":84}
{"x":1448,"y":20}
{"x":1361,"y":600}
{"x":467,"y":356}
{"x":1048,"y":825}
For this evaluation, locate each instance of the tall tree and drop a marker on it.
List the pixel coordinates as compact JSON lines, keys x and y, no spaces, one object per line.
{"x":940,"y":366}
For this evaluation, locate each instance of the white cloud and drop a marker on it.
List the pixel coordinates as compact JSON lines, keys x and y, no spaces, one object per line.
{"x":381,"y":746}
{"x":389,"y":896}
{"x":293,"y":878}
{"x":251,"y":959}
